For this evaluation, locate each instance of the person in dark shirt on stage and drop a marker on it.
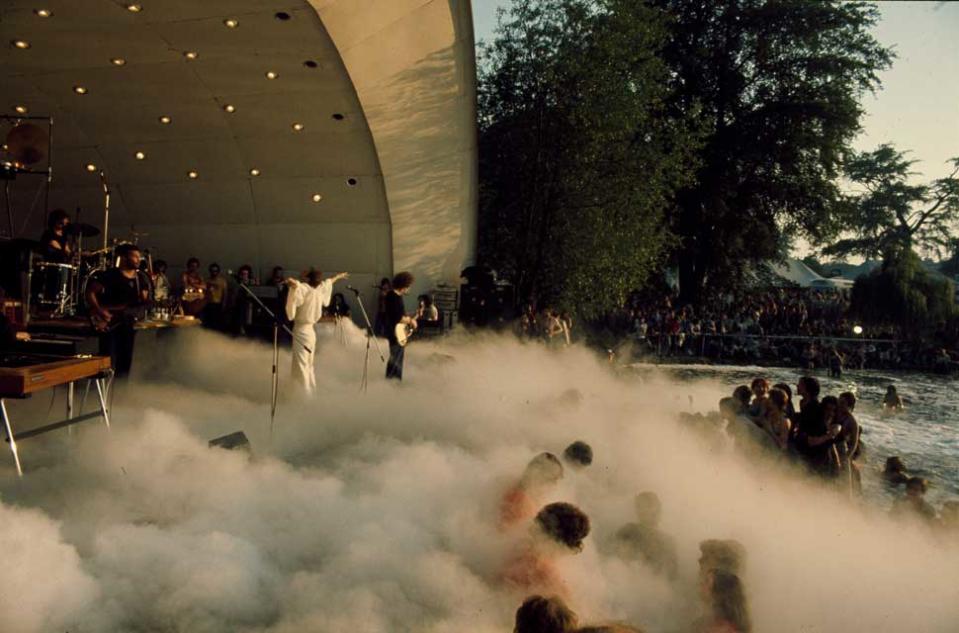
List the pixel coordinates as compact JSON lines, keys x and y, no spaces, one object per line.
{"x":396,"y":314}
{"x":115,"y":297}
{"x":56,"y":244}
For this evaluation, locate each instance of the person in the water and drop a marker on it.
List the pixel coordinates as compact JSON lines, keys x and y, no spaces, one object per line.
{"x":558,"y":530}
{"x":726,"y":608}
{"x":913,"y":504}
{"x":579,"y":454}
{"x":892,"y":402}
{"x":742,"y":394}
{"x":847,"y":442}
{"x":522,"y":499}
{"x":728,"y":555}
{"x":895,"y":471}
{"x":643,"y":540}
{"x":760,"y":390}
{"x":538,"y":614}
{"x":776,"y":421}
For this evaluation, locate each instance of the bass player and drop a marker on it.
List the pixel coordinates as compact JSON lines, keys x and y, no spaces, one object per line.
{"x":115,"y":297}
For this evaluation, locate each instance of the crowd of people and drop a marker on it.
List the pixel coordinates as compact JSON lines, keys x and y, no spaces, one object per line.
{"x":548,"y":532}
{"x":790,"y":326}
{"x":220,"y":302}
{"x":549,"y":325}
{"x":820,"y":433}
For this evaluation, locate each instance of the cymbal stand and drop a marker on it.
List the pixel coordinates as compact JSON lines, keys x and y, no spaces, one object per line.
{"x":370,"y":336}
{"x":106,"y":217}
{"x":275,"y":384}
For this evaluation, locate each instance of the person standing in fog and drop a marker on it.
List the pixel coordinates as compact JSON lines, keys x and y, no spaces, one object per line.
{"x":396,"y":315}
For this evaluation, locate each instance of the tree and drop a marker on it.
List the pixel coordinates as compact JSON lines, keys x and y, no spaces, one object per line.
{"x":578,"y":160}
{"x":776,"y":86}
{"x":888,"y":212}
{"x":902,"y":292}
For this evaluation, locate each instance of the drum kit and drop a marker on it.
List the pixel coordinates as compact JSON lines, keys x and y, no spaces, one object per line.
{"x":56,"y":288}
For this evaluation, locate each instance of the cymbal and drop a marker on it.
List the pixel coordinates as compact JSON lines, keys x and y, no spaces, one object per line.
{"x":81,"y":229}
{"x":27,"y":143}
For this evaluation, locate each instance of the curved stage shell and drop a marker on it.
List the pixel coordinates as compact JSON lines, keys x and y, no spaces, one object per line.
{"x":359,"y":153}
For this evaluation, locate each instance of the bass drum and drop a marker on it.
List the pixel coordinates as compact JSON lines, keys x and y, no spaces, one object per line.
{"x":53,"y":285}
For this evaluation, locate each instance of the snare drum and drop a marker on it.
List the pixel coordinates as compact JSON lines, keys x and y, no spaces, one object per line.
{"x":52,"y":285}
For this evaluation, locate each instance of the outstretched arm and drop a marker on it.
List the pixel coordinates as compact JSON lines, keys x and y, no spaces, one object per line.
{"x":337,"y":277}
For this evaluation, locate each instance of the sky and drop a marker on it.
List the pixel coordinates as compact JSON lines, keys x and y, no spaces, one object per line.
{"x":918,"y":106}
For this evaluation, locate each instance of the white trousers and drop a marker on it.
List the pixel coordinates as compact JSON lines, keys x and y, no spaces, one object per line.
{"x":304,"y":337}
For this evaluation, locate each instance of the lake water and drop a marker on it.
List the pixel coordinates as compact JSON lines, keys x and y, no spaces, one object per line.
{"x":925,"y":434}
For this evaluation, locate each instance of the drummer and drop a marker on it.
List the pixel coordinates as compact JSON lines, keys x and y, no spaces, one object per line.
{"x":56,"y":245}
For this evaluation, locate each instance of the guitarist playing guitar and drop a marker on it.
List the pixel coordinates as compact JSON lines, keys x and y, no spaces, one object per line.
{"x":396,"y":316}
{"x":116,"y":297}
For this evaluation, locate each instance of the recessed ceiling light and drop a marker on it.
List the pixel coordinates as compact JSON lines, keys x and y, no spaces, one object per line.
{"x":317,"y":197}
{"x":134,"y":8}
{"x":165,"y":120}
{"x":80,"y":90}
{"x":192,"y":175}
{"x":231,"y":23}
{"x":118,"y":61}
{"x":271,"y":75}
{"x":351,"y":182}
{"x":19,"y":109}
{"x":43,"y":13}
{"x":310,"y":63}
{"x":338,"y":117}
{"x":139,"y":155}
{"x":21,"y":44}
{"x":254,"y":172}
{"x":282,"y":15}
{"x":91,"y":167}
{"x":229,"y":108}
{"x":191,"y":55}
{"x":297,"y":127}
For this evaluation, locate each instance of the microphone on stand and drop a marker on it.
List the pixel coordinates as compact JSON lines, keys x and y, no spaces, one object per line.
{"x":353,"y":290}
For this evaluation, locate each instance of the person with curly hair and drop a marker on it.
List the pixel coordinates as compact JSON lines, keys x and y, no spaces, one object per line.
{"x":558,"y":530}
{"x":396,"y":315}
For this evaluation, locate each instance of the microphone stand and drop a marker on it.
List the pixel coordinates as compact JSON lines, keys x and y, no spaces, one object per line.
{"x":369,"y":337}
{"x":276,"y":352}
{"x":106,"y":216}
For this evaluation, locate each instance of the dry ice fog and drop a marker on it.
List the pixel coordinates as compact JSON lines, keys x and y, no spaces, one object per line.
{"x":381,"y":512}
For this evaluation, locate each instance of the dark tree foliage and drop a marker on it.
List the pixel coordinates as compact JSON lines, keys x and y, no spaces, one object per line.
{"x":776,"y":84}
{"x":578,"y":158}
{"x":902,"y":292}
{"x":889,"y":212}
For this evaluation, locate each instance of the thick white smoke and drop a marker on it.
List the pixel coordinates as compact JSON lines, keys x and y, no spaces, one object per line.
{"x":378,"y":512}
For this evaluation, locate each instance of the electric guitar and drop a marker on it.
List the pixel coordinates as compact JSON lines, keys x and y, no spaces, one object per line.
{"x":118,"y":315}
{"x":403,"y":332}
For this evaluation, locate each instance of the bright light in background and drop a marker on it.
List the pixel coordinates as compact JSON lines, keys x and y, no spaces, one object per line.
{"x":857,"y":329}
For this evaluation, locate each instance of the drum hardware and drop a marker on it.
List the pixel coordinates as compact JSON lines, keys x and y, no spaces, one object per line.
{"x":26,"y":144}
{"x":56,"y":287}
{"x":82,"y":230}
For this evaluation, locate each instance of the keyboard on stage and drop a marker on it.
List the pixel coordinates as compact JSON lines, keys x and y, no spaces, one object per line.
{"x":21,"y":375}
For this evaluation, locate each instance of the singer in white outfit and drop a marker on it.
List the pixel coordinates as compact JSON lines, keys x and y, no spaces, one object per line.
{"x":304,"y":307}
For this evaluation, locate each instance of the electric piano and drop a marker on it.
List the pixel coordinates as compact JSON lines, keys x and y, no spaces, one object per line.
{"x":22,"y":375}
